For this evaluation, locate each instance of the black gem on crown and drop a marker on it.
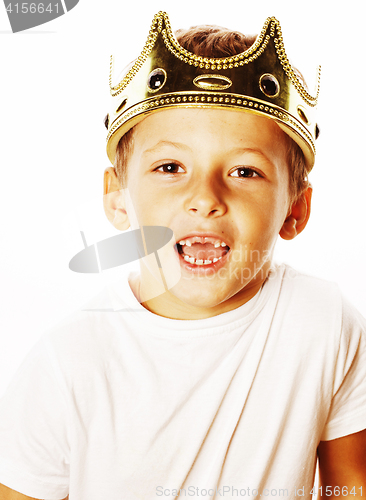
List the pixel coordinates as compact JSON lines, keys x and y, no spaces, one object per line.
{"x":317,"y":131}
{"x":269,"y":85}
{"x":156,"y":80}
{"x":106,"y":121}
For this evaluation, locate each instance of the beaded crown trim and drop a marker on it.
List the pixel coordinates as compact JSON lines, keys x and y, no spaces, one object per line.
{"x":260,"y":80}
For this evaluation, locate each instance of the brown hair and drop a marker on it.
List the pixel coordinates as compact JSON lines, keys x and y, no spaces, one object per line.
{"x":215,"y":41}
{"x":123,"y":152}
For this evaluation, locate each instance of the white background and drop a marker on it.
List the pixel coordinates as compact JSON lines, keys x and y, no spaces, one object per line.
{"x":54,"y":96}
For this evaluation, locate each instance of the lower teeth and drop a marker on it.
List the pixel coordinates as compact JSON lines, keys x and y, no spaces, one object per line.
{"x":200,"y":262}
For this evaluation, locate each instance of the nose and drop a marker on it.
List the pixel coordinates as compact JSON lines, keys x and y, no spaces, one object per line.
{"x":205,"y":198}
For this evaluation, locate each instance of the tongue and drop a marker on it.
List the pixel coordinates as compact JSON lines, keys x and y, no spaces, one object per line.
{"x":204,"y":251}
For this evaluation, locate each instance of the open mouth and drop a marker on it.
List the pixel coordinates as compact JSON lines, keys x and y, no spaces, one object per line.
{"x":202,"y":250}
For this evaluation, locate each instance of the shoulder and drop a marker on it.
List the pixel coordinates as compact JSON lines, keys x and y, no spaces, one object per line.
{"x":319,"y":294}
{"x":310,"y":295}
{"x":308,"y":287}
{"x":88,"y":337}
{"x":318,"y":306}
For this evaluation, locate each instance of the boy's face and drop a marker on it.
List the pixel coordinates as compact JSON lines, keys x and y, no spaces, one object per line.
{"x":212,"y":176}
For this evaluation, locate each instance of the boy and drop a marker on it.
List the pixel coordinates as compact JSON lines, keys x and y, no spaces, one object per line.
{"x":231,"y":381}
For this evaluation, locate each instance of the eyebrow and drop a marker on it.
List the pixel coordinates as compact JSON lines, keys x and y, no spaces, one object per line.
{"x":161,"y":144}
{"x":251,"y":150}
{"x":247,"y":150}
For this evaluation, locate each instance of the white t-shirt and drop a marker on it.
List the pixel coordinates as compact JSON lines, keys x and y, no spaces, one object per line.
{"x":118,"y":403}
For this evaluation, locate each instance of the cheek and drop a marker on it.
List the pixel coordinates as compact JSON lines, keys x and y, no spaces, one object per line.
{"x":264,"y":217}
{"x":146,"y":206}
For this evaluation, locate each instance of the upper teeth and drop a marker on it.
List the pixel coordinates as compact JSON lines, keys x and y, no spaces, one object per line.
{"x":188,"y":242}
{"x":197,"y":239}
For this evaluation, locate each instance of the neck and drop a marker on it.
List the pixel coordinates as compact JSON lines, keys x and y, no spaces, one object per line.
{"x":166,"y":304}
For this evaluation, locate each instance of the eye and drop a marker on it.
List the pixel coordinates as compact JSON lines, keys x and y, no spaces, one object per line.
{"x":244,"y":172}
{"x":170,"y":168}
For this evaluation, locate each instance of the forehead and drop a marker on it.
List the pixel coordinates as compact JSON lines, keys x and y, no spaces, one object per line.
{"x":214,"y":129}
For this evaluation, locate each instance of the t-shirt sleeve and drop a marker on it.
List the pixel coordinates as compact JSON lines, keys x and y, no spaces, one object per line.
{"x":347,"y":413}
{"x":34,"y":451}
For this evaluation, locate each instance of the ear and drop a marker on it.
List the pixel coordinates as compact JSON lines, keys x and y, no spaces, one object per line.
{"x":298,"y":216}
{"x":113,"y":200}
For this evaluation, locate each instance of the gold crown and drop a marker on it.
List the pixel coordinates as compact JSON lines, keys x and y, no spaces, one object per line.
{"x":260,"y":80}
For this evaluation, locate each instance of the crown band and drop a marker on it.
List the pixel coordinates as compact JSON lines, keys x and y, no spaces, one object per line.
{"x":260,"y":80}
